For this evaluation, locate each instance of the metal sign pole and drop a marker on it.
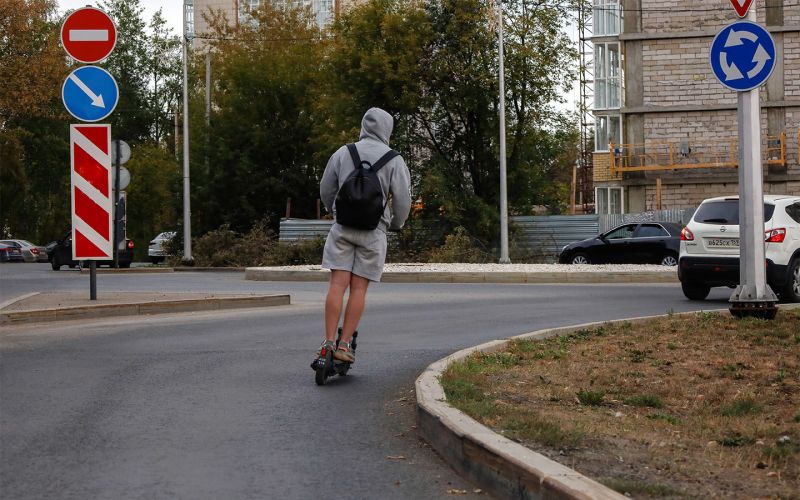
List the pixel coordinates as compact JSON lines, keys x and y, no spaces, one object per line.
{"x":92,"y":280}
{"x":117,"y":149}
{"x":753,"y":296}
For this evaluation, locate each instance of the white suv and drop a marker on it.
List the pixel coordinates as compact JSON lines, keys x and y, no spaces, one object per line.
{"x":709,"y":254}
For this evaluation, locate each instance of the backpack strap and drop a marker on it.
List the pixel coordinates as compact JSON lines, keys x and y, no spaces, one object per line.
{"x":384,"y":160}
{"x":354,"y":155}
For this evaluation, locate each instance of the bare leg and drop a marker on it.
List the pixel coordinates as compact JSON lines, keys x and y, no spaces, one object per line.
{"x":340,"y":280}
{"x":355,"y":306}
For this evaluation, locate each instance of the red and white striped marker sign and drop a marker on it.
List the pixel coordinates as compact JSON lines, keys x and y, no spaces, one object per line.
{"x":92,"y":203}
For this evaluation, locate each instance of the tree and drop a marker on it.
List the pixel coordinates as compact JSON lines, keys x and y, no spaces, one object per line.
{"x":151,"y":197}
{"x":258,"y":152}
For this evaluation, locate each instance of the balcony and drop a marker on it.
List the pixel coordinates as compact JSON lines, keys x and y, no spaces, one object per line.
{"x":689,"y":155}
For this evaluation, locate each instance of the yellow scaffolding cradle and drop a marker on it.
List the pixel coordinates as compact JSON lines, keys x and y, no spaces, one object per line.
{"x":689,"y":155}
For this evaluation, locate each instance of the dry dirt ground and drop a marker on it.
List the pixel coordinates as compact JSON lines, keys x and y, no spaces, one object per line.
{"x":683,"y":406}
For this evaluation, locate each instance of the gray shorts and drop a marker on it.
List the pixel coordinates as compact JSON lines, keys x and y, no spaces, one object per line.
{"x":361,"y":252}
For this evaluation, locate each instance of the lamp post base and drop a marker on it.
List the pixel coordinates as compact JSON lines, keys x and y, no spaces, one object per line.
{"x":746,"y":303}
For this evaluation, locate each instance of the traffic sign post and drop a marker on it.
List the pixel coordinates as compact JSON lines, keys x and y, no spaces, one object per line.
{"x":90,"y":94}
{"x":742,"y":57}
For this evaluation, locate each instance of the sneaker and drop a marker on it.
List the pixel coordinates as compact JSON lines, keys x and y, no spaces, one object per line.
{"x":327,"y":345}
{"x":345,"y":352}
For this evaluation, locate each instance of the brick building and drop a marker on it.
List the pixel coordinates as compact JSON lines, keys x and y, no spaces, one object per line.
{"x":671,"y":125}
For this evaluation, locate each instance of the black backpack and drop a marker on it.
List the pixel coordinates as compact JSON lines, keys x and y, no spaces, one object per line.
{"x":359,"y":202}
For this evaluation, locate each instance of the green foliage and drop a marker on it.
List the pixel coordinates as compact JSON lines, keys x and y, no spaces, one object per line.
{"x":740,"y":407}
{"x":153,"y":196}
{"x":649,"y":400}
{"x":258,"y":247}
{"x":591,"y":398}
{"x":666,"y":417}
{"x":458,"y":247}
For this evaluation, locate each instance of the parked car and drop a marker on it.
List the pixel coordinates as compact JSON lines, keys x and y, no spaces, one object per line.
{"x":30,"y":252}
{"x":156,"y":251}
{"x":59,"y":253}
{"x":636,"y":243}
{"x":709,"y":253}
{"x":9,"y":253}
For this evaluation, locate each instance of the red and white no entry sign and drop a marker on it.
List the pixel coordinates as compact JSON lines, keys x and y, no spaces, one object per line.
{"x":88,"y":35}
{"x":92,"y":207}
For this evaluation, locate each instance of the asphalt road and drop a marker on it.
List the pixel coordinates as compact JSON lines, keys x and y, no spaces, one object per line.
{"x":223,"y":404}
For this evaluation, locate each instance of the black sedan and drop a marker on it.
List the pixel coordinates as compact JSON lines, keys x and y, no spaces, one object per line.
{"x":642,"y":243}
{"x":59,"y":253}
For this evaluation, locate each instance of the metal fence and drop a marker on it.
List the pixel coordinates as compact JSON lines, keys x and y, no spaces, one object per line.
{"x":544,"y":234}
{"x":678,"y":215}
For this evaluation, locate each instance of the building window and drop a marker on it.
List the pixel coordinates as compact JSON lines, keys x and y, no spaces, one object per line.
{"x":188,"y":18}
{"x":607,"y":17}
{"x":609,"y":200}
{"x":245,"y":7}
{"x":607,"y":129}
{"x":607,"y":76}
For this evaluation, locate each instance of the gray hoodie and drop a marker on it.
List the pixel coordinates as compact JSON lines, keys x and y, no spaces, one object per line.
{"x":376,"y":128}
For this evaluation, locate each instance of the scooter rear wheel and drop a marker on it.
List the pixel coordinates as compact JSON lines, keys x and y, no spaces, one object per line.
{"x":321,"y":371}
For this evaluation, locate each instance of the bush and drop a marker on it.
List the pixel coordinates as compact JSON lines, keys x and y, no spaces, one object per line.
{"x":224,"y":247}
{"x":459,"y":247}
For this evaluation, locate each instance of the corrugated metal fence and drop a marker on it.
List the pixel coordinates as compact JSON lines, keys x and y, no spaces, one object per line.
{"x":546,"y":234}
{"x":678,"y":215}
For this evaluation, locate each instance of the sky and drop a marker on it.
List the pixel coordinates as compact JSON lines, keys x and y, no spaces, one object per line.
{"x":170,"y":10}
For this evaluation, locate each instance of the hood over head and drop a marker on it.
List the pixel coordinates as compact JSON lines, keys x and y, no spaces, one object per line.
{"x":377,"y":124}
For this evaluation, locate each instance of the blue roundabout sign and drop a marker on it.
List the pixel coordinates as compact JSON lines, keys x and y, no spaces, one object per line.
{"x":90,"y":93}
{"x":742,"y":55}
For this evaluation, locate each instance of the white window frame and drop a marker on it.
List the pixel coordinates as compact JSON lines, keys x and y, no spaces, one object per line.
{"x":601,"y":142}
{"x":606,"y":190}
{"x":607,"y":17}
{"x":607,"y":76}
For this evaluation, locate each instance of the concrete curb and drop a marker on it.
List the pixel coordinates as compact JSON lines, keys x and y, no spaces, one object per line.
{"x":9,"y":302}
{"x":497,"y":464}
{"x":191,"y":269}
{"x":129,"y":270}
{"x":156,"y":307}
{"x":260,"y":274}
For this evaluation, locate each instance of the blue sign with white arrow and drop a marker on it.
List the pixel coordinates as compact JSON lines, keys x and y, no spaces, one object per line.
{"x":742,"y":55}
{"x":90,"y":93}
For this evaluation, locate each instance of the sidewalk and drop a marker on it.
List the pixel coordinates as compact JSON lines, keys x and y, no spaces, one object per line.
{"x":485,"y":273}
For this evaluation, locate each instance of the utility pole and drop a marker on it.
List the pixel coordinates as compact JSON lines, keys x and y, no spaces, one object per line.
{"x":187,"y":222}
{"x":503,"y":188}
{"x":753,"y":296}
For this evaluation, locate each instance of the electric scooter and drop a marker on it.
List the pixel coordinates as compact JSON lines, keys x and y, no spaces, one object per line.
{"x":325,"y":365}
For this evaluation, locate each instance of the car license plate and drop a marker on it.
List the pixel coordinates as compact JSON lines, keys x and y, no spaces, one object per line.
{"x":723,"y":242}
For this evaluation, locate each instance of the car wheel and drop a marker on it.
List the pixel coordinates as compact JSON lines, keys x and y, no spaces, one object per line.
{"x":669,"y":259}
{"x":695,"y":291}
{"x":156,"y":260}
{"x":124,"y":265}
{"x":580,"y":258}
{"x":55,"y":265}
{"x":791,"y":292}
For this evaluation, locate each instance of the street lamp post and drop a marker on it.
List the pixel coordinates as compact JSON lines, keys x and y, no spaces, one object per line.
{"x":187,"y":223}
{"x":503,"y":188}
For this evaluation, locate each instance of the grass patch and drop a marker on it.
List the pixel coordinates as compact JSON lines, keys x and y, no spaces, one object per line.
{"x":591,"y":398}
{"x":647,"y":400}
{"x":740,"y":407}
{"x":636,"y":487}
{"x":706,"y":399}
{"x":666,"y":417}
